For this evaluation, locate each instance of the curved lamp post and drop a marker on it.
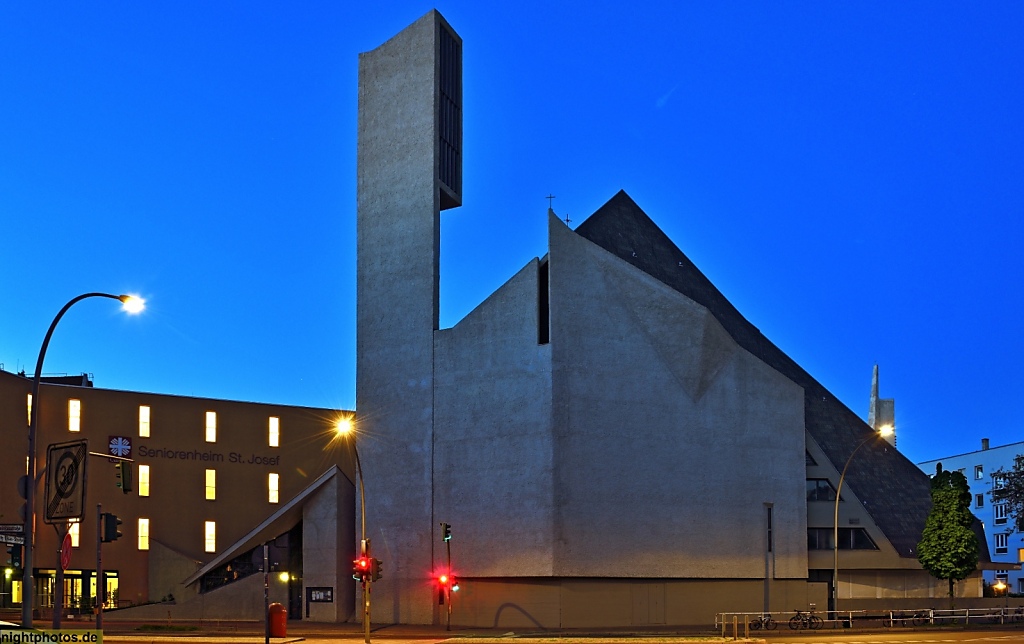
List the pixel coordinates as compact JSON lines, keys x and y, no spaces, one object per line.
{"x":346,"y":428}
{"x":884,"y":430}
{"x":132,"y":304}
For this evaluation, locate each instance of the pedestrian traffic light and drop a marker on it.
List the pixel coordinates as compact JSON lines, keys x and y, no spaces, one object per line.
{"x":455,"y":584}
{"x":361,"y":568}
{"x":446,"y":531}
{"x":375,"y":566}
{"x":110,"y":524}
{"x":124,"y":476}
{"x":14,"y":555}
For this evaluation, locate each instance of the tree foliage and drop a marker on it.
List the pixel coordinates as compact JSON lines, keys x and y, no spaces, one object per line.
{"x":949,"y":548}
{"x":1008,"y":488}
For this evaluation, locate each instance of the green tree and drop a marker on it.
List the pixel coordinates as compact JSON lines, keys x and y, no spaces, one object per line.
{"x":949,"y":548}
{"x":1008,"y":488}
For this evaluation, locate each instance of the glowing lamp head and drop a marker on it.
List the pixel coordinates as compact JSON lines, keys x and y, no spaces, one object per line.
{"x":283,"y":576}
{"x":132,"y":303}
{"x":344,"y":426}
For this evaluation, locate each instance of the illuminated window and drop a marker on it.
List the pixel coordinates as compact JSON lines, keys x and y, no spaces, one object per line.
{"x":210,"y":537}
{"x":144,"y":421}
{"x":211,"y":427}
{"x":211,"y":485}
{"x":28,"y":405}
{"x":143,"y":480}
{"x":273,"y":489}
{"x":274,"y":435}
{"x":73,"y":530}
{"x":1000,"y":540}
{"x":143,"y":534}
{"x":74,"y":415}
{"x":1020,"y":555}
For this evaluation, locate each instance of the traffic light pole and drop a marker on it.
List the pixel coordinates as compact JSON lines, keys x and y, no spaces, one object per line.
{"x":99,"y":567}
{"x":448,"y":591}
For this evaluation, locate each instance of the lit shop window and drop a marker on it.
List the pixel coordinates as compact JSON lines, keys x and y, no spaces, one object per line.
{"x":274,"y":432}
{"x":211,"y":485}
{"x":211,"y":427}
{"x":74,"y":415}
{"x":73,"y":530}
{"x":273,"y":487}
{"x":144,"y":421}
{"x":143,"y":480}
{"x":210,"y":537}
{"x":143,"y":534}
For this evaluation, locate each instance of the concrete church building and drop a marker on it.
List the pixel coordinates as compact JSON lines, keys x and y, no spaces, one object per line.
{"x":611,"y":441}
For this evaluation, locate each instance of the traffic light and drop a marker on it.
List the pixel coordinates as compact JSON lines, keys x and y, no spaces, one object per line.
{"x":455,"y":584}
{"x":446,"y":531}
{"x":361,"y":568}
{"x":14,"y":552}
{"x":124,"y":476}
{"x":110,"y":524}
{"x":442,"y":587}
{"x":375,"y":566}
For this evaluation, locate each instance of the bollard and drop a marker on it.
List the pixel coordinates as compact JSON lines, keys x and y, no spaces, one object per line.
{"x":735,"y":628}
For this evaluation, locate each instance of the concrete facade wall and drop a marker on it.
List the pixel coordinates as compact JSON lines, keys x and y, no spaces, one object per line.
{"x":327,"y":551}
{"x":659,"y":417}
{"x":397,"y":307}
{"x":616,"y":603}
{"x":493,"y":469}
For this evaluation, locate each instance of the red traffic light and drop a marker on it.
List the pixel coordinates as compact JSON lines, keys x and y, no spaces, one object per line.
{"x":361,"y":567}
{"x":443,"y":580}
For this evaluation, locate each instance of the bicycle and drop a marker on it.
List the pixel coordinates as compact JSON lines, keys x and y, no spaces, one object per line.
{"x":763,"y":621}
{"x":902,"y":618}
{"x":805,"y":619}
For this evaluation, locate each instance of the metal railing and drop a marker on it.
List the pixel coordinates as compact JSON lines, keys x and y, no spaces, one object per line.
{"x":898,"y":618}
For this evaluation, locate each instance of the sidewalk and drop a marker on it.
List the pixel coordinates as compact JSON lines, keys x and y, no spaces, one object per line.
{"x":225,"y":632}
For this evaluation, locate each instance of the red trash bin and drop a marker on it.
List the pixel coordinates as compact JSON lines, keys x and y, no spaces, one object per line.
{"x":278,"y":620}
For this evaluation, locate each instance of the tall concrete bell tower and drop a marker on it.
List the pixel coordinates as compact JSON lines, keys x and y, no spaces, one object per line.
{"x":409,"y":170}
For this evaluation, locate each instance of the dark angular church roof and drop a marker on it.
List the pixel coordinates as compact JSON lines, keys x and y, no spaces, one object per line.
{"x":893,"y":490}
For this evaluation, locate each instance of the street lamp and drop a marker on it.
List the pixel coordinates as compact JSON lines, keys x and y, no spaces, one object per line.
{"x":1001,"y":586}
{"x":131,"y":304}
{"x":884,"y":430}
{"x":345,"y":428}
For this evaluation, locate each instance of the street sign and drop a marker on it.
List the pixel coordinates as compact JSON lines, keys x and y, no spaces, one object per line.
{"x":65,"y":481}
{"x":16,"y":539}
{"x":12,"y":528}
{"x":65,"y":552}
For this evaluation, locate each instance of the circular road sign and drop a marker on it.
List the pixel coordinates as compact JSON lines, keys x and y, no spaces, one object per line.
{"x":65,"y":552}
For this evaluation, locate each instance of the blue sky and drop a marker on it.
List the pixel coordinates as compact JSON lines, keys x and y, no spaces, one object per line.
{"x":849,"y":175}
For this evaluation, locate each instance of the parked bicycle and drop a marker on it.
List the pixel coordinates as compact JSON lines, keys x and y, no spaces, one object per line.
{"x":805,"y":619}
{"x":903,"y":618}
{"x":763,"y":621}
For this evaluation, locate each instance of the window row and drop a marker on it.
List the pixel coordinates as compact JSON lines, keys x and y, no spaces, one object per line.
{"x":209,"y":534}
{"x":849,"y":539}
{"x":75,"y":422}
{"x":210,"y":485}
